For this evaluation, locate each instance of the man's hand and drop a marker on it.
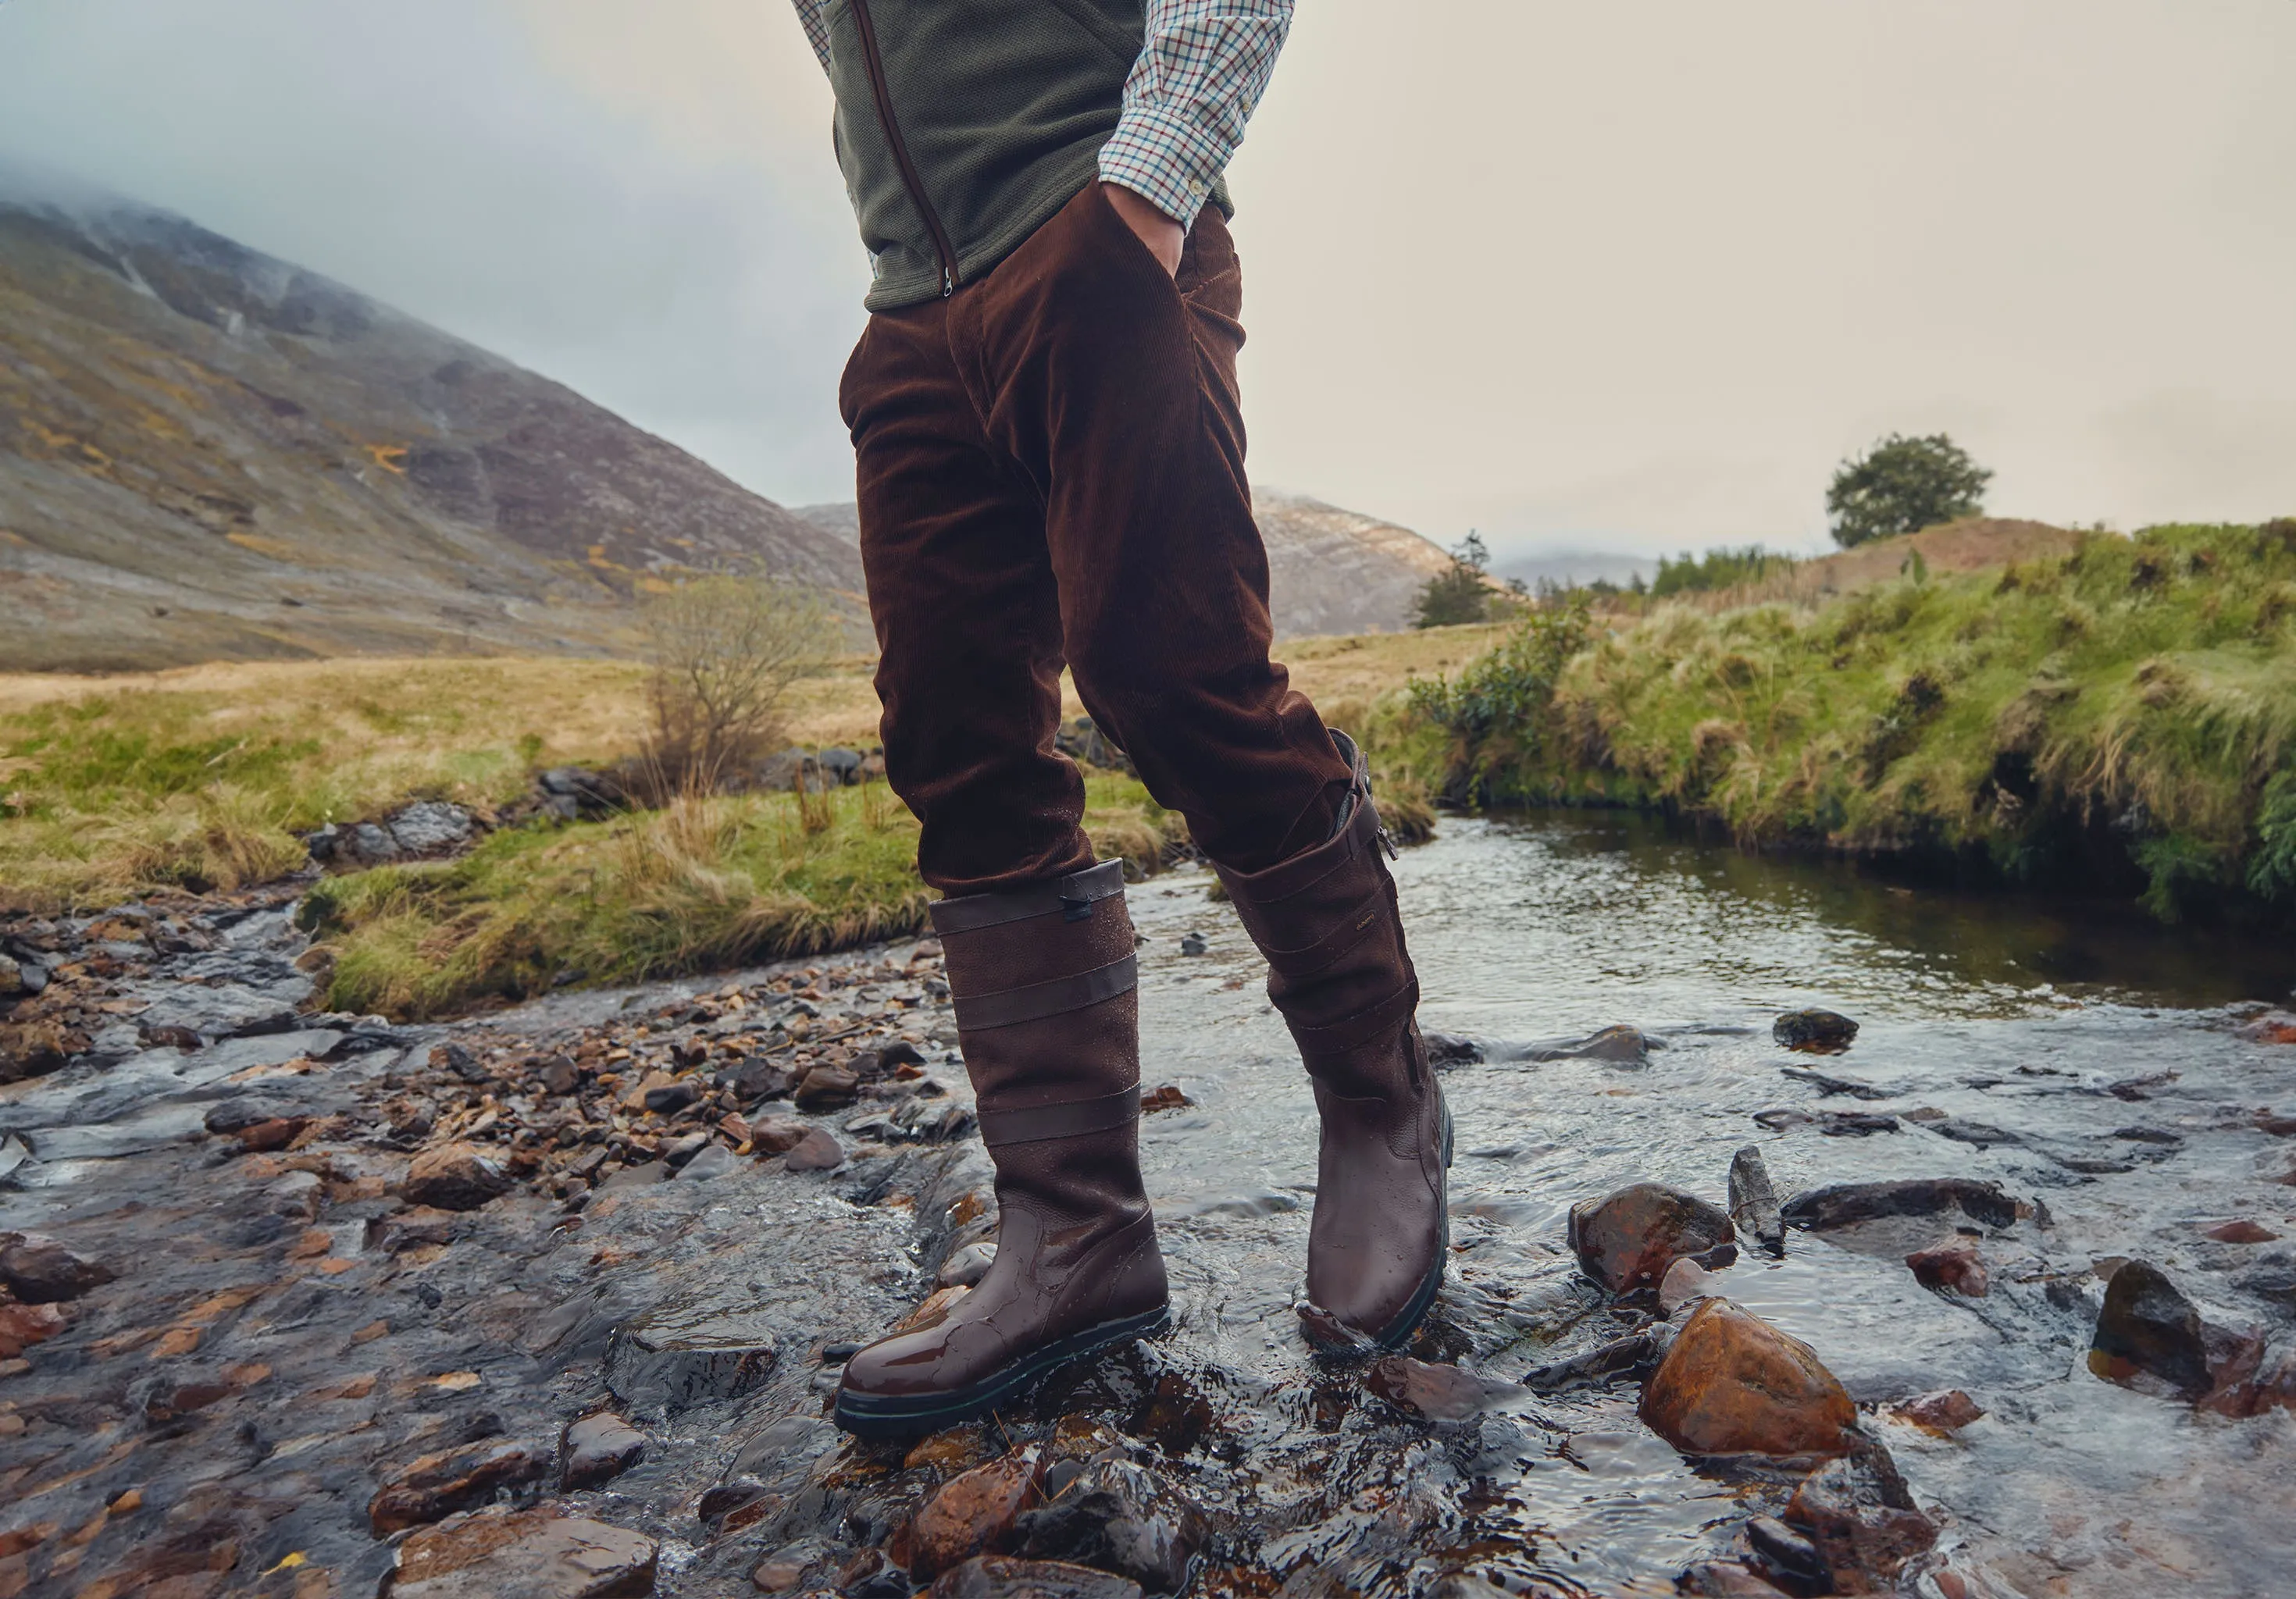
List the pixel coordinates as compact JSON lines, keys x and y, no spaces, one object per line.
{"x":1163,"y":236}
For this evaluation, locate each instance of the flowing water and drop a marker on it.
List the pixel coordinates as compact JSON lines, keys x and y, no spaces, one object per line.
{"x":2014,"y":1019}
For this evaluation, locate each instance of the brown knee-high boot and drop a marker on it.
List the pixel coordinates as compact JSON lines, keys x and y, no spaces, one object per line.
{"x":1326,"y":920}
{"x":1043,"y":980}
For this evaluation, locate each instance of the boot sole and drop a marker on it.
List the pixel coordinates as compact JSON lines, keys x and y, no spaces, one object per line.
{"x":1397,"y":1333}
{"x":872,"y":1416}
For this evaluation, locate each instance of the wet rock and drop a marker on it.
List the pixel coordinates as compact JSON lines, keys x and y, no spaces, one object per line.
{"x":1816,"y":1032}
{"x":1785,"y":1550}
{"x":1169,"y":1097}
{"x":1754,"y":1203}
{"x":458,"y":1060}
{"x":410,"y":1229}
{"x":455,"y":1177}
{"x":1635,"y":1355}
{"x":1845,"y":1204}
{"x":1118,"y":1517}
{"x":967,"y":1266}
{"x":2273,"y":1026}
{"x":1725,"y":1579}
{"x":826,"y":1088}
{"x":1954,"y":1267}
{"x":1827,"y":1085}
{"x":1447,"y":1050}
{"x":733,"y":1505}
{"x":1626,"y":1240}
{"x":1192,"y":943}
{"x":1437,"y":1393}
{"x":689,"y":1352}
{"x":1861,"y":1518}
{"x":678,"y":1151}
{"x":713,"y":1160}
{"x":1834,"y":1124}
{"x":663,"y":1093}
{"x":1948,"y":1410}
{"x":2149,"y":1329}
{"x":1623,"y":1045}
{"x":1978,"y":1135}
{"x":599,"y":1448}
{"x":991,"y":1577}
{"x":1684,"y":1280}
{"x":818,"y":1150}
{"x":974,"y":1512}
{"x":1733,"y":1384}
{"x":783,"y":1571}
{"x":40,"y":1271}
{"x":24,"y":1325}
{"x":756,"y":1078}
{"x":299,"y":1194}
{"x":436,"y":1485}
{"x":236,"y":1115}
{"x":533,"y":1554}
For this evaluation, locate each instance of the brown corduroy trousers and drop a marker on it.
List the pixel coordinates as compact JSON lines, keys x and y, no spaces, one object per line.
{"x":1051,"y":472}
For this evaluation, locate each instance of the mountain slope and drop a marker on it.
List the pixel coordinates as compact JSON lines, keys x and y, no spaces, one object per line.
{"x":1329,"y":570}
{"x":207,"y":452}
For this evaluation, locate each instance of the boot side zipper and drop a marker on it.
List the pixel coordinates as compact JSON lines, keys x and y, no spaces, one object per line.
{"x":909,"y":178}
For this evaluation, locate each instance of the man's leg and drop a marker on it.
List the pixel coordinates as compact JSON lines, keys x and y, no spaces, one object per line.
{"x":1038,"y":945}
{"x":1114,"y":388}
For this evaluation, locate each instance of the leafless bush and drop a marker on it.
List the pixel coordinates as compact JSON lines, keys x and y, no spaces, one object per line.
{"x":725,"y":651}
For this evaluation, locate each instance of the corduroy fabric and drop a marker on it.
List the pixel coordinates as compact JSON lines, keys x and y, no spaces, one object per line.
{"x":1050,"y":472}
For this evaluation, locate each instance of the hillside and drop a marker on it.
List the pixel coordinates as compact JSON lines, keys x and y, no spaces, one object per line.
{"x":1330,"y":571}
{"x":210,"y":454}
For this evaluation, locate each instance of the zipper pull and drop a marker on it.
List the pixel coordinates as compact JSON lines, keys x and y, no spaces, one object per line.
{"x":948,"y":282}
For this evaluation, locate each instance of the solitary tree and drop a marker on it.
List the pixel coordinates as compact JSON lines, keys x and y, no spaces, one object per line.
{"x":1460,"y":593}
{"x":1903,"y":485}
{"x":725,"y":651}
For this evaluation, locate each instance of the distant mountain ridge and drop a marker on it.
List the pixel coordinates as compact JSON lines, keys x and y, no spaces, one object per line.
{"x":208,"y":453}
{"x":1329,"y":570}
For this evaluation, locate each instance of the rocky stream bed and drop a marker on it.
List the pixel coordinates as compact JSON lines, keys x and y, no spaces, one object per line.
{"x":1983,"y":1295}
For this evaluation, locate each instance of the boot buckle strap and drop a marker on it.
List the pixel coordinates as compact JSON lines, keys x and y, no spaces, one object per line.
{"x":1072,"y":1119}
{"x":1009,"y":1008}
{"x":1073,"y":897}
{"x":1322,"y":1043}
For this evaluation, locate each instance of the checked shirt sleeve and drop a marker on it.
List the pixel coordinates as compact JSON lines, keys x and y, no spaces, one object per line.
{"x":817,"y":29}
{"x":1199,"y":78}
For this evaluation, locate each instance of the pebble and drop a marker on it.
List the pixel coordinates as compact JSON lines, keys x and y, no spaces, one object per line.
{"x":1948,"y":1410}
{"x":713,"y":1160}
{"x":1626,"y":1240}
{"x":777,"y":1135}
{"x":1733,"y":1384}
{"x":455,"y":1177}
{"x":541,"y":1554}
{"x":598,"y":1449}
{"x":818,"y":1150}
{"x":827,"y":1089}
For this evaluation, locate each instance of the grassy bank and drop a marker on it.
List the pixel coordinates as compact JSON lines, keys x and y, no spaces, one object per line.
{"x":2122,"y":714}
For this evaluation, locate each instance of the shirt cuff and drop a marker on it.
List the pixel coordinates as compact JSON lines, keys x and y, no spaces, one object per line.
{"x":1163,"y":159}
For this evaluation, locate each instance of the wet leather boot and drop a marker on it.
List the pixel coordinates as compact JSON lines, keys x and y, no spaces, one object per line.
{"x":1042,"y":982}
{"x":1326,"y":919}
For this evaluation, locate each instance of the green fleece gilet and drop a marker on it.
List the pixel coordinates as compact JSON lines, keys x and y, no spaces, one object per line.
{"x":1000,"y":106}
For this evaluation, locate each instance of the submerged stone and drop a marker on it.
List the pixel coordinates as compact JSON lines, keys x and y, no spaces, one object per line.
{"x":436,"y":1485}
{"x":1953,"y":1266}
{"x":991,"y":1577}
{"x":599,"y":1448}
{"x":2149,"y":1329}
{"x":687,"y":1353}
{"x":1845,"y":1204}
{"x":1733,"y":1384}
{"x":1439,"y":1393}
{"x":534,"y":1555}
{"x":1116,"y":1516}
{"x":1949,"y":1410}
{"x":1626,"y":1240}
{"x":972,"y":1513}
{"x":1861,"y":1518}
{"x":1816,"y":1032}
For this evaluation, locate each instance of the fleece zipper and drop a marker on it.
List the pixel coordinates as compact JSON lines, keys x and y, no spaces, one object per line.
{"x":909,"y":178}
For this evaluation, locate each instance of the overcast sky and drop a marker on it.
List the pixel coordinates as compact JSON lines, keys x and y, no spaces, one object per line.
{"x":1626,"y":277}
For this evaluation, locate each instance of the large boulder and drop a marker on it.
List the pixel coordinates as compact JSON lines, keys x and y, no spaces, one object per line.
{"x":1626,"y":1240}
{"x":1733,"y":1384}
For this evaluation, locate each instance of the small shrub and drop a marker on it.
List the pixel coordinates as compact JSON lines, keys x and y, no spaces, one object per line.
{"x":1462,"y":592}
{"x":724,"y":651}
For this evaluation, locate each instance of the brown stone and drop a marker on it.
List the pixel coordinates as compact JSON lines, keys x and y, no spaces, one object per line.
{"x":1954,"y":1267}
{"x":1626,"y":1240}
{"x":1858,"y":1515}
{"x":818,"y":1150}
{"x":1169,"y":1097}
{"x":2242,"y":1231}
{"x":971,"y":1514}
{"x":1684,"y":1280}
{"x":455,"y":1177}
{"x":2273,"y":1026}
{"x":1439,"y":1393}
{"x":779,"y":1573}
{"x":533,"y":1554}
{"x":1725,"y":1579}
{"x":436,"y":1485}
{"x":1733,"y":1384}
{"x":599,"y":1448}
{"x":826,"y":1088}
{"x":1948,"y":1410}
{"x":40,"y":1271}
{"x":991,"y":1577}
{"x":24,"y":1325}
{"x":777,"y":1135}
{"x":410,"y":1229}
{"x":275,"y":1134}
